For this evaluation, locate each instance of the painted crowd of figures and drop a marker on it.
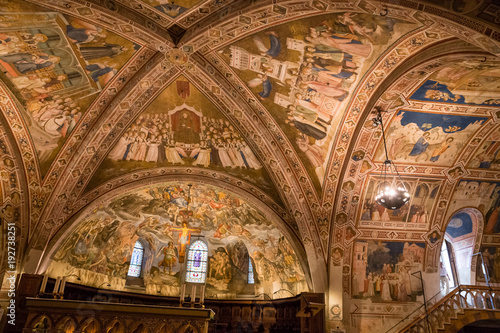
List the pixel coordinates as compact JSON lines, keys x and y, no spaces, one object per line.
{"x":408,"y":213}
{"x":56,"y":65}
{"x":327,"y":68}
{"x":153,"y":139}
{"x":388,"y":285}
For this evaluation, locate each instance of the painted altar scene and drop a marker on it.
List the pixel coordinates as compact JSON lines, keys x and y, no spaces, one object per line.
{"x":182,"y":127}
{"x":55,"y":66}
{"x":485,"y":196}
{"x":382,"y":271}
{"x":423,"y":193}
{"x":473,"y":82}
{"x":242,"y":243}
{"x":304,"y":73}
{"x":428,"y":138}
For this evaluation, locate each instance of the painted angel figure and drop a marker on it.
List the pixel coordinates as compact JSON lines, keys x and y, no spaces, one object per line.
{"x":275,"y":47}
{"x":266,"y":85}
{"x":170,"y":255}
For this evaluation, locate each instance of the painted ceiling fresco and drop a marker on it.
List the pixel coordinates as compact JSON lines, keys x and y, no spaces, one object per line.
{"x":183,"y":128}
{"x":304,"y":73}
{"x":428,"y":138}
{"x":56,"y":65}
{"x":468,"y":82}
{"x":100,"y":247}
{"x":274,"y":99}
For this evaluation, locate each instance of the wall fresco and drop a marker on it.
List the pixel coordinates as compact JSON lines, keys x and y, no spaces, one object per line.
{"x":491,"y":257}
{"x":415,"y":213}
{"x":428,"y":138}
{"x":56,"y":66}
{"x":467,"y":82}
{"x":304,"y":73}
{"x":100,"y":248}
{"x":382,"y":270}
{"x":485,"y":196}
{"x":183,"y":128}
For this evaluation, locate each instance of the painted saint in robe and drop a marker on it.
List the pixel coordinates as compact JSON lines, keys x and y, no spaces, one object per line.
{"x":421,"y":145}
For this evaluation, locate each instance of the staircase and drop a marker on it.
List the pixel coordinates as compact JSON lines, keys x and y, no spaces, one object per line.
{"x":462,"y":306}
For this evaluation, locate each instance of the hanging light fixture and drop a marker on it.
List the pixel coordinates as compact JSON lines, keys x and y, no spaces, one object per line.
{"x":393,"y":194}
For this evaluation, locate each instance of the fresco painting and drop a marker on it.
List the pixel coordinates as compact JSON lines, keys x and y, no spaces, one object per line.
{"x":423,"y":193}
{"x":473,"y":81}
{"x":172,"y":8}
{"x":428,"y":138}
{"x":304,"y":73}
{"x":182,"y":127}
{"x":491,"y":257}
{"x":99,"y":249}
{"x":382,"y":271}
{"x":56,"y":66}
{"x":488,"y":154}
{"x":485,"y":196}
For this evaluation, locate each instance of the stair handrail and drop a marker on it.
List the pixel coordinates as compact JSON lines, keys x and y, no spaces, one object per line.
{"x":446,"y":298}
{"x":423,"y":305}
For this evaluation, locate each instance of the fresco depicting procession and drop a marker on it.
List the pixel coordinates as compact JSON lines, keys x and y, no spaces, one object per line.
{"x":468,"y":82}
{"x":428,"y":138}
{"x":240,"y":239}
{"x":304,"y":73}
{"x":182,"y":127}
{"x":423,"y":193}
{"x":382,"y":271}
{"x":55,"y":65}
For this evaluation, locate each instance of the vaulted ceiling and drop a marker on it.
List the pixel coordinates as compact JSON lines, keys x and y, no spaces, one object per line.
{"x":271,"y":100}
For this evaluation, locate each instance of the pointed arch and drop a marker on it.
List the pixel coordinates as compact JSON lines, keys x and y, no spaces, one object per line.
{"x":66,"y":324}
{"x":91,"y":325}
{"x":115,"y":326}
{"x":464,"y":231}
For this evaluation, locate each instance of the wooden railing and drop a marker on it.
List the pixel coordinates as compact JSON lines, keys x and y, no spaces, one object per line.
{"x":450,"y":306}
{"x":256,"y":314}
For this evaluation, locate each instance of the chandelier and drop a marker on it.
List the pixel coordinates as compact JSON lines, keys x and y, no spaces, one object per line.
{"x":393,"y":194}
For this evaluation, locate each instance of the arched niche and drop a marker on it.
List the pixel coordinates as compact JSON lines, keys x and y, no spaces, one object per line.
{"x":139,"y":328}
{"x":116,"y":327}
{"x":91,"y":325}
{"x":66,"y":325}
{"x":464,"y":231}
{"x":163,"y":328}
{"x":41,"y":324}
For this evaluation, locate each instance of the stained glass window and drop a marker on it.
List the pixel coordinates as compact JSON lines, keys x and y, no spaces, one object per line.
{"x":250,"y":271}
{"x":134,"y":269}
{"x":197,"y":262}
